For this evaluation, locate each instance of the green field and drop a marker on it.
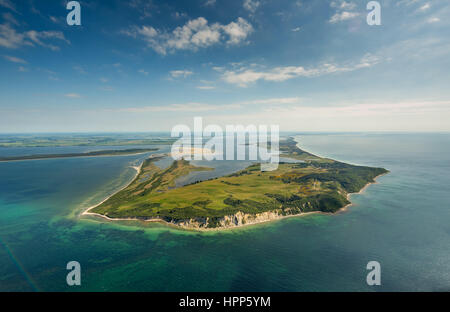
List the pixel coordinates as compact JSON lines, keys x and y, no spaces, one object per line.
{"x":315,"y":185}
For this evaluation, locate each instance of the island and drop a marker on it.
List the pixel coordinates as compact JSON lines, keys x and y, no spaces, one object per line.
{"x":123,"y":152}
{"x":58,"y":140}
{"x":311,"y":185}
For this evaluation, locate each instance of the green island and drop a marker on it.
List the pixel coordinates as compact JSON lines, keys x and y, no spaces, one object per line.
{"x":246,"y":197}
{"x":87,"y":154}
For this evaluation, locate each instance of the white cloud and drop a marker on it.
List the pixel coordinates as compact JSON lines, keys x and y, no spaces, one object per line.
{"x":38,"y":36}
{"x":104,"y":80}
{"x":343,"y":16}
{"x":432,"y":20}
{"x":251,"y":5}
{"x":22,"y":69}
{"x":14,"y":59}
{"x":206,"y":87}
{"x":180,"y":73}
{"x":343,"y":5}
{"x":210,"y":3}
{"x":238,"y":31}
{"x":54,"y":19}
{"x":10,"y":38}
{"x":277,"y":101}
{"x":343,"y":11}
{"x":195,"y":34}
{"x":244,"y":76}
{"x":296,"y":29}
{"x":425,"y":7}
{"x":72,"y":95}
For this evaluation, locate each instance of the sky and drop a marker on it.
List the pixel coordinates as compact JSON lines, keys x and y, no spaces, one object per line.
{"x":139,"y":65}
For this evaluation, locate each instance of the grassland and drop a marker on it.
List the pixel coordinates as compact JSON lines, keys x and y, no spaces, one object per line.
{"x":317,"y":184}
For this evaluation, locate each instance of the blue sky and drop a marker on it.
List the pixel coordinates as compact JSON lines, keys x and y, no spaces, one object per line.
{"x":150,"y":65}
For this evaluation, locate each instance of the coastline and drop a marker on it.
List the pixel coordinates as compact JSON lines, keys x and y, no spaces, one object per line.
{"x":86,"y":211}
{"x":223,"y":228}
{"x":345,"y":208}
{"x":71,"y":157}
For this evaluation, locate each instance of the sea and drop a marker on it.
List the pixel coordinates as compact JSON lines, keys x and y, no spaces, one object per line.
{"x":402,"y":222}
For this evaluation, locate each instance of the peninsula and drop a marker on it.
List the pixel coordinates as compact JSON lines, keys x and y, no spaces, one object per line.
{"x":249,"y":196}
{"x":123,"y":152}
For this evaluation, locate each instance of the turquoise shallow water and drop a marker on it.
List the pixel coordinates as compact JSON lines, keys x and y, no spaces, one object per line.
{"x":402,"y":222}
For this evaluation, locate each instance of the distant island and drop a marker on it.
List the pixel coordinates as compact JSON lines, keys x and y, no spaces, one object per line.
{"x":87,"y":154}
{"x":58,"y":140}
{"x":246,"y":197}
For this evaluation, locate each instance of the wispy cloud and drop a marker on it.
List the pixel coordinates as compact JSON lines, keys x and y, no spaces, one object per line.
{"x":209,"y":3}
{"x":80,"y":70}
{"x":406,"y":2}
{"x":206,"y":87}
{"x":204,"y":107}
{"x":251,"y":5}
{"x":15,"y":59}
{"x":272,"y":101}
{"x":425,"y":7}
{"x":344,"y":11}
{"x":432,"y":20}
{"x":188,"y":107}
{"x":181,"y":73}
{"x":56,"y":20}
{"x":8,"y":4}
{"x":143,"y":72}
{"x":145,"y":7}
{"x":8,"y":17}
{"x":245,"y":76}
{"x":10,"y":38}
{"x":195,"y":34}
{"x":73,"y":95}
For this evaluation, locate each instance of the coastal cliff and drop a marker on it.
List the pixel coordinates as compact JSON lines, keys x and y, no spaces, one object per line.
{"x":230,"y":221}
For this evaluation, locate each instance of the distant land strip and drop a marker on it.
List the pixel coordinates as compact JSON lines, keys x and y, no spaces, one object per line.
{"x":86,"y":154}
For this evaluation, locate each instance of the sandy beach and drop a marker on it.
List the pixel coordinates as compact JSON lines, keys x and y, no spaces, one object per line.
{"x":86,"y":211}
